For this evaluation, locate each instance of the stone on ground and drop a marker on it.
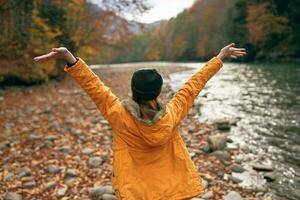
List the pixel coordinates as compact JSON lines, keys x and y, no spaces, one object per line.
{"x":217,"y":142}
{"x":233,"y":196}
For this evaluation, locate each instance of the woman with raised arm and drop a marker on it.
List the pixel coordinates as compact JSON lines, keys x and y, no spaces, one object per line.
{"x":151,"y":161}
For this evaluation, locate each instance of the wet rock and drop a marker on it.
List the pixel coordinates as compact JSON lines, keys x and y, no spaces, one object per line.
{"x":229,"y":140}
{"x":207,"y":195}
{"x":217,"y":142}
{"x":50,"y":185}
{"x":71,"y":173}
{"x":270,"y":176}
{"x":29,"y":185}
{"x":233,"y":196}
{"x":94,"y":162}
{"x":294,"y":148}
{"x":237,"y":168}
{"x":62,"y":191}
{"x":263,"y":167}
{"x":223,"y":124}
{"x":53,"y":169}
{"x":12,"y":196}
{"x":221,"y":155}
{"x":24,"y":172}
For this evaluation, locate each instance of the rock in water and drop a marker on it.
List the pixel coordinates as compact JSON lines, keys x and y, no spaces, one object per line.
{"x":233,"y":196}
{"x":12,"y":196}
{"x":217,"y":142}
{"x":270,"y":176}
{"x":223,"y":124}
{"x":237,"y":168}
{"x":263,"y":167}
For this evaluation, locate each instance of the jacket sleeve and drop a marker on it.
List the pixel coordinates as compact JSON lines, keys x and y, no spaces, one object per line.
{"x":108,"y":104}
{"x":184,"y":98}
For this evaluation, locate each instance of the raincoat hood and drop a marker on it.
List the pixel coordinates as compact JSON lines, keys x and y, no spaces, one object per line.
{"x":155,"y":131}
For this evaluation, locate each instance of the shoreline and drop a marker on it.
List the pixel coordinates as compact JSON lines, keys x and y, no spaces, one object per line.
{"x":55,"y":143}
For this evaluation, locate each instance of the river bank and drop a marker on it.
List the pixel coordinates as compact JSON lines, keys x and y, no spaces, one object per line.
{"x":55,"y":144}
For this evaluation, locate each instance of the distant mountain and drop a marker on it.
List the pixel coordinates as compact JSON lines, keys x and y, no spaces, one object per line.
{"x":137,"y":27}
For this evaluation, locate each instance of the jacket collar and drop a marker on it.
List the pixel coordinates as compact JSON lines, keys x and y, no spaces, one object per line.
{"x":133,"y":108}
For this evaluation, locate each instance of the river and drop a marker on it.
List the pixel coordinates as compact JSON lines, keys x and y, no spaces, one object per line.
{"x":265,"y":98}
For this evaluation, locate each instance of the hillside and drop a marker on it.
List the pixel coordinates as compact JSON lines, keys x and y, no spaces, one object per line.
{"x":268,"y":29}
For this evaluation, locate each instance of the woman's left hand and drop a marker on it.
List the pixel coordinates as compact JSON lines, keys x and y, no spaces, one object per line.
{"x":231,"y":52}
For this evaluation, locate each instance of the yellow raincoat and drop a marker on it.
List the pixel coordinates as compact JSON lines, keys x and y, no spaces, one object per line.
{"x":151,"y":161}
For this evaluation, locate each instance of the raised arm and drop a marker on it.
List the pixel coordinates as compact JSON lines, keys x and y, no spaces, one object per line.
{"x":184,"y":98}
{"x":108,"y":104}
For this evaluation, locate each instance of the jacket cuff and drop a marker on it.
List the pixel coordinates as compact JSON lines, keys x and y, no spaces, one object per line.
{"x":75,"y":67}
{"x":218,"y":60}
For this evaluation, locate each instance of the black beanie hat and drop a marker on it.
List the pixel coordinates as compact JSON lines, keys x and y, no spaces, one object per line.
{"x":146,"y":84}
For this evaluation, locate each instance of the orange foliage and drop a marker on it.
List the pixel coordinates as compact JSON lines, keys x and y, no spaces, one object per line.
{"x":262,"y":23}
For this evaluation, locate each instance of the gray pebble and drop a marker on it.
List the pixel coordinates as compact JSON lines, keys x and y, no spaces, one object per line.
{"x":108,"y":197}
{"x":53,"y":169}
{"x":221,"y":155}
{"x":237,"y":168}
{"x":29,"y":185}
{"x":71,"y":173}
{"x":207,"y":195}
{"x":94,"y":162}
{"x":233,"y":196}
{"x":12,"y":196}
{"x":87,"y":151}
{"x":50,"y":185}
{"x":24,"y":172}
{"x":62,"y":191}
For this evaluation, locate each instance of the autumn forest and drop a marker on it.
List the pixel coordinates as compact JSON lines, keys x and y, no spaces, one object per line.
{"x":269,"y":29}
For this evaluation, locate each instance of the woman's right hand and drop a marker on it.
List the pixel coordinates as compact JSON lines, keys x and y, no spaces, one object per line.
{"x":57,"y":53}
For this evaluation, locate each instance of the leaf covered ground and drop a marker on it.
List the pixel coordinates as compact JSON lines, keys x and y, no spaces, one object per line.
{"x":54,"y":144}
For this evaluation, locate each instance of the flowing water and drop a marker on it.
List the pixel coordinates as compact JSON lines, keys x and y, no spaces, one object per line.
{"x":266,"y":100}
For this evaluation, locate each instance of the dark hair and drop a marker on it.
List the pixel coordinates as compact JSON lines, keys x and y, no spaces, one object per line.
{"x":146,"y":85}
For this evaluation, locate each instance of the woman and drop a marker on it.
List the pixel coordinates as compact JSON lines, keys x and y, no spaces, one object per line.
{"x":151,"y":161}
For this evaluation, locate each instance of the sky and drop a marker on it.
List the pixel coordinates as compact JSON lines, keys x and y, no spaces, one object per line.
{"x":161,"y":10}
